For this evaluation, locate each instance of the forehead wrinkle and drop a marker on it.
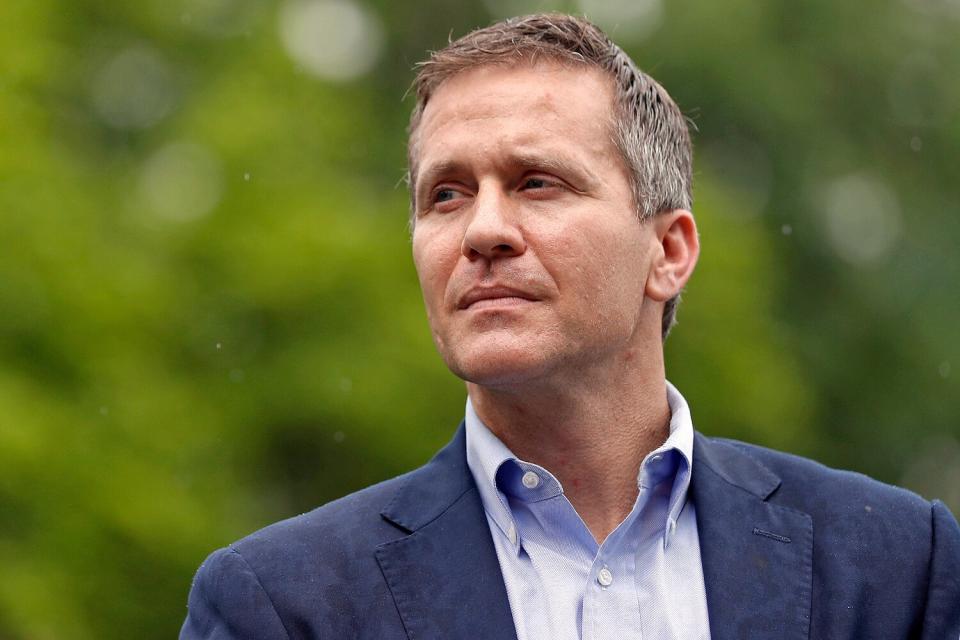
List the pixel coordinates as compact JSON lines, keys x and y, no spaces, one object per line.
{"x":526,"y":149}
{"x":545,"y":118}
{"x":530,"y":141}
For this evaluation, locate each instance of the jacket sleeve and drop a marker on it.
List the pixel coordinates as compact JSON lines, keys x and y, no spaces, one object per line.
{"x":227,"y":602}
{"x":942,"y":616}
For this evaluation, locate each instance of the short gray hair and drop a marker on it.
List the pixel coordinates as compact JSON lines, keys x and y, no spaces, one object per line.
{"x":647,"y":126}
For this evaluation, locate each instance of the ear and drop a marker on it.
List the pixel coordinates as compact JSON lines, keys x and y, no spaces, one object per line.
{"x":675,"y":255}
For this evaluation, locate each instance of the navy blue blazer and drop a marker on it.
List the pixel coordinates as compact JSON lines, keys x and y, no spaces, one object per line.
{"x":790,"y":550}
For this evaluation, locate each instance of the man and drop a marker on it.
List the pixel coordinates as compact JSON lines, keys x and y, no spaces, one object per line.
{"x":550,"y":188}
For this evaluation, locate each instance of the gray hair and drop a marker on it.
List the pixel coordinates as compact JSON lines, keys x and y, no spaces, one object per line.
{"x":648,"y":128}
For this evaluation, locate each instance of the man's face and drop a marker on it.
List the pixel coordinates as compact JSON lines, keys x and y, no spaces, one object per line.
{"x":530,"y":255}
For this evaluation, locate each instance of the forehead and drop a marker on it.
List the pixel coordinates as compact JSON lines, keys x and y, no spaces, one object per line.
{"x":546,"y":82}
{"x":543,"y":103}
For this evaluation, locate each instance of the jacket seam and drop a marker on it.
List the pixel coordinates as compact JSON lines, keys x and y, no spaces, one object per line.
{"x":263,"y":589}
{"x":386,"y":566}
{"x":413,"y":531}
{"x":752,"y":494}
{"x":745,"y":450}
{"x":388,"y":510}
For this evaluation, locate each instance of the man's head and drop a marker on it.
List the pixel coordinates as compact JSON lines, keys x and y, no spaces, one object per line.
{"x":645,"y":124}
{"x":546,"y":255}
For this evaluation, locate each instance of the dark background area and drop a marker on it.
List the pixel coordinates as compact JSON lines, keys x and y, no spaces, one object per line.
{"x":209,"y":319}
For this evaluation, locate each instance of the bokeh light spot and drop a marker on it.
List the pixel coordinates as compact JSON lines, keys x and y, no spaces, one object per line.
{"x":935,"y":8}
{"x":332,"y":39}
{"x":181,"y":182}
{"x":624,"y":19}
{"x":221,"y":18}
{"x":134,"y":89}
{"x":862,"y":220}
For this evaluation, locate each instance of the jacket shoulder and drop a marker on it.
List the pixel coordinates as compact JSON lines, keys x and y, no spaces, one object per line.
{"x":315,"y":572}
{"x":857,"y":521}
{"x":883,"y":558}
{"x":813,"y":486}
{"x":349,"y":522}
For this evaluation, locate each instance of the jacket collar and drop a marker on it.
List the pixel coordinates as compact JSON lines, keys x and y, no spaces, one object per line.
{"x":756,"y":555}
{"x":734,"y":466}
{"x":444,"y":575}
{"x":433,"y":488}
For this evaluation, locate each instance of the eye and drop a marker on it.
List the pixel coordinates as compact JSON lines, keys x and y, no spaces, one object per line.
{"x":541,"y":186}
{"x":445,"y":199}
{"x":536,"y":183}
{"x":443,"y":195}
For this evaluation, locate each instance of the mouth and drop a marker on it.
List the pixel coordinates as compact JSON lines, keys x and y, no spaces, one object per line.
{"x":490,"y":297}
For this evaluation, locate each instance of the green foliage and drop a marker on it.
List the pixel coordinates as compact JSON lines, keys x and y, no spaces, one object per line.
{"x":209,"y":319}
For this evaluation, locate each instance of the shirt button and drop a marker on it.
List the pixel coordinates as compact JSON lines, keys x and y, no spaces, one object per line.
{"x":531,"y":480}
{"x":604,"y":577}
{"x":656,"y":458}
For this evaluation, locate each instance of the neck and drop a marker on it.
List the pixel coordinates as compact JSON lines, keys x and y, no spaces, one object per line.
{"x":591,"y":432}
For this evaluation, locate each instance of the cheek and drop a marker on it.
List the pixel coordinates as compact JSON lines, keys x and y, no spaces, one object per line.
{"x":433,"y":265}
{"x":600,"y":260}
{"x":612,"y":278}
{"x":426,"y":272}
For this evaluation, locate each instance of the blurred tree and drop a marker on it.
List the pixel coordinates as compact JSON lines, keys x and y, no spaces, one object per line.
{"x":210,"y":319}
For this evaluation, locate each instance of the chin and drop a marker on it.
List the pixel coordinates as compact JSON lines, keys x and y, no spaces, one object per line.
{"x":498,"y":366}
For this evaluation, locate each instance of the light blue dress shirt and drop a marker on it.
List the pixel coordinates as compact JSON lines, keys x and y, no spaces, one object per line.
{"x":644,"y":581}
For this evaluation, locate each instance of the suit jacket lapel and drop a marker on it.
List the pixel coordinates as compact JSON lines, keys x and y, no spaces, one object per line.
{"x":444,"y":574}
{"x":757,"y":556}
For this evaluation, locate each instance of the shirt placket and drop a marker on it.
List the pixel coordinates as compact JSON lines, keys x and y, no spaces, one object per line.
{"x":610,"y":597}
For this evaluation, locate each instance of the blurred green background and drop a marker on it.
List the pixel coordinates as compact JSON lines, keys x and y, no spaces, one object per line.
{"x":209,"y":319}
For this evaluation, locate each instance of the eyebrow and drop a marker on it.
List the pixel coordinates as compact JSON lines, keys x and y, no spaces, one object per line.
{"x":552,"y":163}
{"x":435,"y":171}
{"x":524,"y":160}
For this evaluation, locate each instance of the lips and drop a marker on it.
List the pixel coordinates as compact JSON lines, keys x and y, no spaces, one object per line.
{"x":497,"y":295}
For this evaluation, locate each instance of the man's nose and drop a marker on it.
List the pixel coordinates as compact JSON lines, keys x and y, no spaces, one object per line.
{"x":493,"y":230}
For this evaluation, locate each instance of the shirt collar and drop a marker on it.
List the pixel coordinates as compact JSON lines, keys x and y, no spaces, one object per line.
{"x":679,"y":446}
{"x":486,"y":454}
